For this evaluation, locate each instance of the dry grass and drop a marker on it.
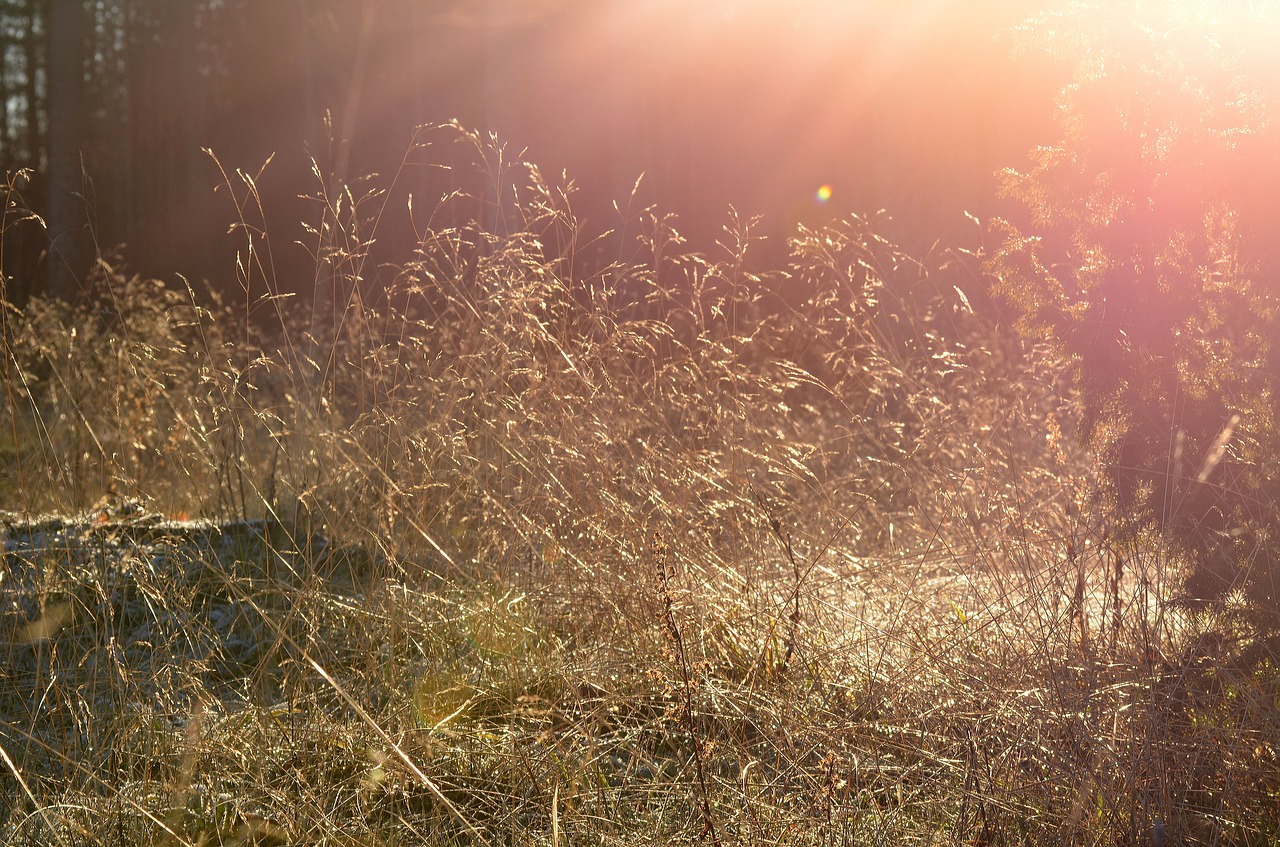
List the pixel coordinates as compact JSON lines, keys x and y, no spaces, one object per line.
{"x":423,"y":604}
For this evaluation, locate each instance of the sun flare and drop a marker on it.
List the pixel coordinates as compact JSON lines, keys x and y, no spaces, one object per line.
{"x":760,"y":102}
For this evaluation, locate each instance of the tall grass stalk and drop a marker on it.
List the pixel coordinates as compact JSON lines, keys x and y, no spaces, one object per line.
{"x":376,"y":565}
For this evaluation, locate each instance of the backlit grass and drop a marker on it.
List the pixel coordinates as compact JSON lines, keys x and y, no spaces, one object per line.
{"x":506,"y":543}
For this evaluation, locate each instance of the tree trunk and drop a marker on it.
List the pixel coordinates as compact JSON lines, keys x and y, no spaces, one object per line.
{"x":31,"y":92}
{"x":66,"y":218}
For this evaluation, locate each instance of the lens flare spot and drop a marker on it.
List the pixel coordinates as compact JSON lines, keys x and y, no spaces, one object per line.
{"x":823,"y":194}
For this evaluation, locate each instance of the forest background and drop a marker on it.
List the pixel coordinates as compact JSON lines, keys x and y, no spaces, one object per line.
{"x":910,"y":107}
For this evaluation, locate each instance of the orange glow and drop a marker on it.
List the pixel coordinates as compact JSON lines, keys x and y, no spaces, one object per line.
{"x":754,"y":103}
{"x":910,"y":106}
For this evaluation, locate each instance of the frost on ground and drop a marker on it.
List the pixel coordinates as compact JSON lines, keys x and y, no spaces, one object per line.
{"x":117,"y":612}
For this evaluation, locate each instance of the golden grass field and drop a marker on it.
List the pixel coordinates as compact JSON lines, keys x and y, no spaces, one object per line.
{"x":486,"y":548}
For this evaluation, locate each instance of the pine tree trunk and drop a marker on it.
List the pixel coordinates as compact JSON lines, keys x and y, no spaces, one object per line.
{"x":66,"y":219}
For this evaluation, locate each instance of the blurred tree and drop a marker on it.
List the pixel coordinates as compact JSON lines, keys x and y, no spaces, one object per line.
{"x":109,"y":102}
{"x":23,"y":45}
{"x":22,"y":66}
{"x":65,"y":217}
{"x":1148,"y":256}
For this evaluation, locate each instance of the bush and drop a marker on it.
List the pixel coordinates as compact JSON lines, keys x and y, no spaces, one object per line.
{"x":1149,"y":262}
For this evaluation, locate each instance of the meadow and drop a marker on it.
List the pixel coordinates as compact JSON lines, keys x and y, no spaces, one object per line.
{"x":544,"y":535}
